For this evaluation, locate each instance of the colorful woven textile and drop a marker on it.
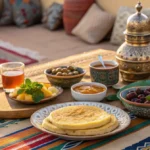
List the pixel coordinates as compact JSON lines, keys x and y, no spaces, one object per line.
{"x":142,"y":145}
{"x":23,"y":136}
{"x":10,"y":53}
{"x":13,"y":56}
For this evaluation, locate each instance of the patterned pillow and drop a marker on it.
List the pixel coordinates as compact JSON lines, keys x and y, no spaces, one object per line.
{"x":94,"y":26}
{"x":26,"y":12}
{"x":6,"y":17}
{"x":117,"y":36}
{"x":53,"y":16}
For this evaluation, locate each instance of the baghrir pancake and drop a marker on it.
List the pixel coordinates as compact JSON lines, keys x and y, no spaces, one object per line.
{"x":79,"y":117}
{"x":113,"y":124}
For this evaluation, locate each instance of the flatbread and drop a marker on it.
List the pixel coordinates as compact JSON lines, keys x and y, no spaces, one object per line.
{"x":113,"y":124}
{"x":49,"y":126}
{"x":79,"y":117}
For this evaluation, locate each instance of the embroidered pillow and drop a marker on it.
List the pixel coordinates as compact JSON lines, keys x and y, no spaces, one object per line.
{"x":26,"y":12}
{"x":52,"y":18}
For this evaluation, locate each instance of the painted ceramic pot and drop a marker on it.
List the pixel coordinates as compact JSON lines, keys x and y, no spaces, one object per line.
{"x":64,"y":81}
{"x":138,"y":109}
{"x":108,"y":76}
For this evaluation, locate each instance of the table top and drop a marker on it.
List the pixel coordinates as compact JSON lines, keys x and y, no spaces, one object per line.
{"x":23,"y":134}
{"x":19,"y":110}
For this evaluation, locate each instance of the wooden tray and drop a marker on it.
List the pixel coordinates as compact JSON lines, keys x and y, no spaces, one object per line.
{"x":12,"y":109}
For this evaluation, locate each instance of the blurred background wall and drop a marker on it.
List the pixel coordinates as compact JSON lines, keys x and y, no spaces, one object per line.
{"x":112,"y":6}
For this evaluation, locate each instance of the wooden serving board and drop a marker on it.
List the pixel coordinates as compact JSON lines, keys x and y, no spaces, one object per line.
{"x":10,"y":109}
{"x":13,"y":109}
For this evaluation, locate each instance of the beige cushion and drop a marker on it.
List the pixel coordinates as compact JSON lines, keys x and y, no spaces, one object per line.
{"x":117,"y":36}
{"x":94,"y":26}
{"x":47,"y":3}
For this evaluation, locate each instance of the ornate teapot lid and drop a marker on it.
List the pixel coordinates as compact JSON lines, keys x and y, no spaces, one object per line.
{"x":138,"y":24}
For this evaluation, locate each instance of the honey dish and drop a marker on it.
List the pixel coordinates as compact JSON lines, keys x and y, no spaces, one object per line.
{"x":64,"y":76}
{"x":88,"y":91}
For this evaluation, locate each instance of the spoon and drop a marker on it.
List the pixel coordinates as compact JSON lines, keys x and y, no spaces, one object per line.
{"x":101,"y":60}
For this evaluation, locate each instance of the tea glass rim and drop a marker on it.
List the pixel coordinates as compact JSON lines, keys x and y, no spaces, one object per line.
{"x":7,"y":63}
{"x":91,"y":65}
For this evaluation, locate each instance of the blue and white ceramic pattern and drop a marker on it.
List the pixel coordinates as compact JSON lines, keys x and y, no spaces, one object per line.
{"x":138,"y":109}
{"x":123,"y":118}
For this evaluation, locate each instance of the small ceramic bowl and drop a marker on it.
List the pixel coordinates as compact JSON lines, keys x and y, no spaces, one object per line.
{"x":88,"y":97}
{"x":138,"y":109}
{"x":64,"y":81}
{"x":107,"y":76}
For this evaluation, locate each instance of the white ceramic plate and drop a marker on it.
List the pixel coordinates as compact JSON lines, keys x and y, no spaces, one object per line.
{"x":123,"y":118}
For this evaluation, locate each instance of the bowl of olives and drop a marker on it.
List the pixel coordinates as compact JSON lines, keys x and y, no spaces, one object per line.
{"x":64,"y":76}
{"x":137,"y":100}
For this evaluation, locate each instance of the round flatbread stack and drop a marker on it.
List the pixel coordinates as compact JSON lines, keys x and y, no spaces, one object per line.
{"x":80,"y":121}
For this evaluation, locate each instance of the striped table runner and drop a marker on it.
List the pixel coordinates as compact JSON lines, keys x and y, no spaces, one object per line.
{"x":23,"y":136}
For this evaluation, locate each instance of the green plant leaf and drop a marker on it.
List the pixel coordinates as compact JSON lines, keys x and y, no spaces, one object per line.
{"x":28,"y":81}
{"x":29,"y":91}
{"x":37,"y":96}
{"x":112,"y":97}
{"x":39,"y":86}
{"x":34,"y":84}
{"x":23,"y":86}
{"x":148,"y":97}
{"x":20,"y":91}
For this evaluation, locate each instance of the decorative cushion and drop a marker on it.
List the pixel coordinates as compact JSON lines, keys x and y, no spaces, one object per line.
{"x":94,"y":26}
{"x":47,"y":3}
{"x":26,"y":12}
{"x":53,"y":16}
{"x":74,"y":10}
{"x":117,"y":36}
{"x":6,"y":17}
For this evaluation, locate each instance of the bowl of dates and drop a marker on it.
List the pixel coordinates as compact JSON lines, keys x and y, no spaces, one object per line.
{"x":137,"y":100}
{"x":65,"y":76}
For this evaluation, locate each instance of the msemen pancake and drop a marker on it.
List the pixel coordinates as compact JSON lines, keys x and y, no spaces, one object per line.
{"x":79,"y":117}
{"x":113,"y":124}
{"x":46,"y":124}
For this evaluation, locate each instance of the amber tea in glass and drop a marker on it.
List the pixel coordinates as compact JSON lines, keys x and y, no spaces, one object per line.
{"x":12,"y":75}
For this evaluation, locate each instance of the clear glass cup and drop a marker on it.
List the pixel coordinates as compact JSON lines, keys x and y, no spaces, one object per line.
{"x":12,"y":75}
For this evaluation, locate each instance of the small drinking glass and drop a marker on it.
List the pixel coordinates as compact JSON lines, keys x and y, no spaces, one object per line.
{"x":12,"y":75}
